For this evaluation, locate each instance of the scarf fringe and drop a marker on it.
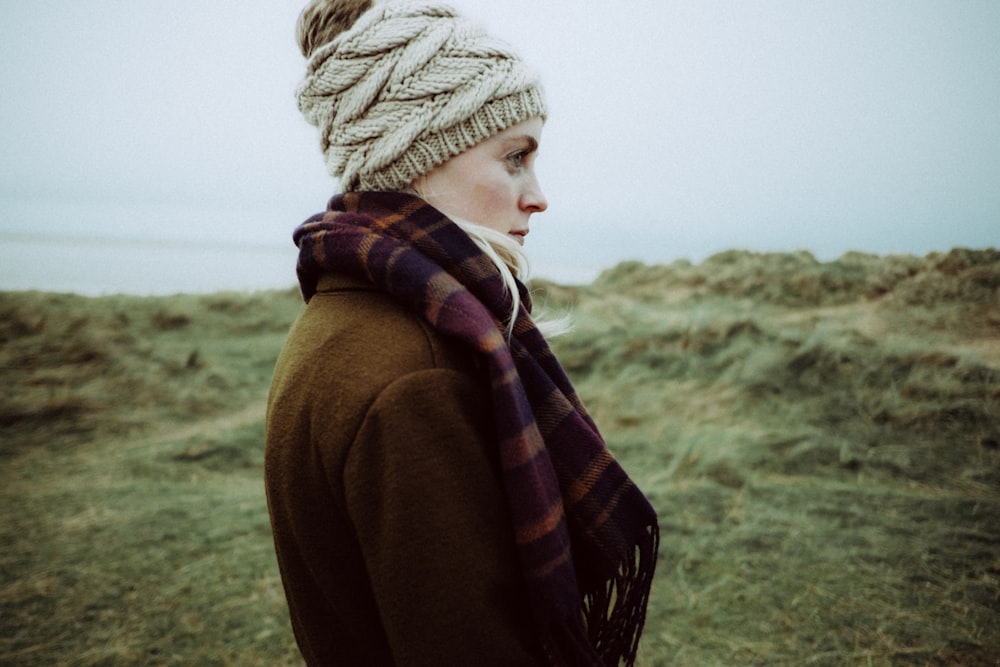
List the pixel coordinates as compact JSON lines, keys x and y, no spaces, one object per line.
{"x":615,"y":614}
{"x":607,"y":632}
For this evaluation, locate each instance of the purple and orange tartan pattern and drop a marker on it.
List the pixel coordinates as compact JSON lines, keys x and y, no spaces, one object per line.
{"x":586,"y":536}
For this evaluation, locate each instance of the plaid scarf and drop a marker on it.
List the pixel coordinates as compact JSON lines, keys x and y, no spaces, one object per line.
{"x":586,"y":536}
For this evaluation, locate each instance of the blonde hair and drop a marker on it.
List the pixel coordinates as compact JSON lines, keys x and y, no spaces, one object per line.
{"x":507,"y":256}
{"x":510,"y":260}
{"x":322,"y":20}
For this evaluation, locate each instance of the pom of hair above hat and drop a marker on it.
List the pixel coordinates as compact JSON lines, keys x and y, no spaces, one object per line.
{"x":408,"y":86}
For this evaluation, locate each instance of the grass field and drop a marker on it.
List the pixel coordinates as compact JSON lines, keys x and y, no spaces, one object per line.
{"x":821,"y":441}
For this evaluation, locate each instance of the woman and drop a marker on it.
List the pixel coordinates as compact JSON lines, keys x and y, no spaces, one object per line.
{"x":438,"y":494}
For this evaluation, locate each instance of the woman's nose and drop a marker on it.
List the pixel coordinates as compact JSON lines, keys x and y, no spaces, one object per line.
{"x":533,"y":200}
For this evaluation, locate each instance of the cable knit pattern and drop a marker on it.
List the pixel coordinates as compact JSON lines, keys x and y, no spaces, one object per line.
{"x":408,"y":86}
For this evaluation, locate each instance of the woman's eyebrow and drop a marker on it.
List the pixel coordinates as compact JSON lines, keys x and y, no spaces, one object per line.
{"x":530,"y":143}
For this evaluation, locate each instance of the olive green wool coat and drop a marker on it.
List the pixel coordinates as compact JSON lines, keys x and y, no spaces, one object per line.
{"x":383,"y":484}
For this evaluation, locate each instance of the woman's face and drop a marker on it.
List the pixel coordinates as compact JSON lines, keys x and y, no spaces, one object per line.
{"x":492,"y":184}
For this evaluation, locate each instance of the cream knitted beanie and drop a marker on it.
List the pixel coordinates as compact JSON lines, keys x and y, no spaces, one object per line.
{"x":408,"y":86}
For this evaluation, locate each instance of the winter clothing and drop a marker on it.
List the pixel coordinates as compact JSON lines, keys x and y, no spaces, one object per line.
{"x":581,"y":540}
{"x":408,"y":86}
{"x":384,"y":488}
{"x":438,"y":494}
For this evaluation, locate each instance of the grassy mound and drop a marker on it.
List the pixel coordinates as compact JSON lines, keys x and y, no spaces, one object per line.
{"x":87,"y":368}
{"x":135,"y":526}
{"x":821,"y":441}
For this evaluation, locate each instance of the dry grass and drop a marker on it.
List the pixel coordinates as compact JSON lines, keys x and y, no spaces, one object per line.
{"x":821,"y":440}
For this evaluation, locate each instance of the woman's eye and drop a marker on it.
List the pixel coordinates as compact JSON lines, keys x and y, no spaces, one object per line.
{"x":517,"y":159}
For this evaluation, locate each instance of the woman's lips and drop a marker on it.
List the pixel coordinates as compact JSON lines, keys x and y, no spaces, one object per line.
{"x":519,"y":234}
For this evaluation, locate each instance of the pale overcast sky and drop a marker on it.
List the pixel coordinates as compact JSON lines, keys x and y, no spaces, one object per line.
{"x":677,"y":129}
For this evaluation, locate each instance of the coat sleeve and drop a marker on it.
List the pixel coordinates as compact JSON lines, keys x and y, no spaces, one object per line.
{"x":424,"y":494}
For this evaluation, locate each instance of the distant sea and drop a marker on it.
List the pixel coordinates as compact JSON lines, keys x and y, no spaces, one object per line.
{"x":99,"y":266}
{"x":95,"y":267}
